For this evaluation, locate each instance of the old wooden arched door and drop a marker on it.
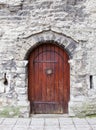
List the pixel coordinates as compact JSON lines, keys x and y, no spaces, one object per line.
{"x":48,"y":80}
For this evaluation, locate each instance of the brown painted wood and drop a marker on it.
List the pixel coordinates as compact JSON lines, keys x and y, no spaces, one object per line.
{"x":48,"y":79}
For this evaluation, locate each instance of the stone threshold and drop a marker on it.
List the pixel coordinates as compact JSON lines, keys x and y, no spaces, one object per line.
{"x":49,"y":115}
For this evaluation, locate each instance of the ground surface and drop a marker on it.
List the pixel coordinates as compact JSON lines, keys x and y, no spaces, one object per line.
{"x":48,"y":123}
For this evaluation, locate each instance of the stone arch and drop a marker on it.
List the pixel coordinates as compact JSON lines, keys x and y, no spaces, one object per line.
{"x":43,"y":42}
{"x":27,"y":43}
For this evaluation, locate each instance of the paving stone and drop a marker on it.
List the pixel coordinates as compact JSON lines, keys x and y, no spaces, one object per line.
{"x":1,"y":120}
{"x":9,"y":121}
{"x":52,"y":128}
{"x":85,"y":127}
{"x":80,"y":121}
{"x":65,"y":121}
{"x":37,"y":121}
{"x":68,"y":127}
{"x":93,"y":127}
{"x":23,"y":122}
{"x":20,"y":128}
{"x":91,"y":121}
{"x":36,"y":127}
{"x":6,"y":127}
{"x":51,"y":122}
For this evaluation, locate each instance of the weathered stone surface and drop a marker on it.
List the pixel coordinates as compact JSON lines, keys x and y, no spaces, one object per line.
{"x":24,"y":24}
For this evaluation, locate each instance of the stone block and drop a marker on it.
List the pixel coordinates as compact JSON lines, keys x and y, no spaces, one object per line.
{"x":21,"y":64}
{"x":23,"y":103}
{"x":21,"y":70}
{"x":94,"y":81}
{"x":21,"y":90}
{"x":2,"y":86}
{"x":22,"y":97}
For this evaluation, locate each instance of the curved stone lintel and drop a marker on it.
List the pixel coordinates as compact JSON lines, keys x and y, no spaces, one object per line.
{"x":33,"y":40}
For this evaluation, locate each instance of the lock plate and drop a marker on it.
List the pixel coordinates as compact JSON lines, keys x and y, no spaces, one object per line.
{"x":49,"y":71}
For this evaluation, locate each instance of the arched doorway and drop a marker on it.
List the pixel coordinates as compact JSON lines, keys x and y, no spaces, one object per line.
{"x":48,"y":79}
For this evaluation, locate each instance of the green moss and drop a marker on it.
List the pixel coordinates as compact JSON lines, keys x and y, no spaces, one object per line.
{"x":91,"y":116}
{"x":9,"y":112}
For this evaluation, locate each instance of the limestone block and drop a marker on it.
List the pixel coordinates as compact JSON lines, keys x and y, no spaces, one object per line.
{"x":32,"y":41}
{"x":21,"y":90}
{"x":14,"y":2}
{"x":2,"y":86}
{"x":70,"y":109}
{"x":92,"y":93}
{"x":22,"y":97}
{"x":79,"y":98}
{"x":21,"y":64}
{"x":79,"y":54}
{"x":56,"y":29}
{"x":20,"y":83}
{"x":24,"y":109}
{"x":23,"y":103}
{"x":90,"y":6}
{"x":94,"y":81}
{"x":22,"y":77}
{"x":21,"y":70}
{"x":28,"y":46}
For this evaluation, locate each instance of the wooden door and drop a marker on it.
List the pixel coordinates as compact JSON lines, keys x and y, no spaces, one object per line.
{"x":48,"y":80}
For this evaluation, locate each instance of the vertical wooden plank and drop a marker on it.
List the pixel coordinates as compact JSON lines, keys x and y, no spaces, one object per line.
{"x":48,"y":76}
{"x":30,"y":78}
{"x":40,"y":78}
{"x":61,"y":78}
{"x":56,"y":75}
{"x":48,"y":56}
{"x":52,"y":75}
{"x":44,"y":97}
{"x":52,"y":62}
{"x":66,"y":81}
{"x":56,"y":79}
{"x":60,"y":81}
{"x":36,"y":76}
{"x":39,"y":86}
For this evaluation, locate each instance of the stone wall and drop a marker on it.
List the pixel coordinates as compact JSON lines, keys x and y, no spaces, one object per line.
{"x":26,"y":23}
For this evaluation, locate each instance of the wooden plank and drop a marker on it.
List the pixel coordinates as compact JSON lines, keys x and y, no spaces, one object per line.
{"x":36,"y":75}
{"x":56,"y":79}
{"x":66,"y":82}
{"x":30,"y":78}
{"x":40,"y":65}
{"x":48,"y":89}
{"x":52,"y":76}
{"x":40,"y":79}
{"x":44,"y":96}
{"x":61,"y":79}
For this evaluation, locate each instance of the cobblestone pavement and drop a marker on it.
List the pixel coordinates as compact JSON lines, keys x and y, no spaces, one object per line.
{"x":43,"y":123}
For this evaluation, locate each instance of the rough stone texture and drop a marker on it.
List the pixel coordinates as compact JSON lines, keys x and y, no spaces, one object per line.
{"x":48,"y":123}
{"x":25,"y":24}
